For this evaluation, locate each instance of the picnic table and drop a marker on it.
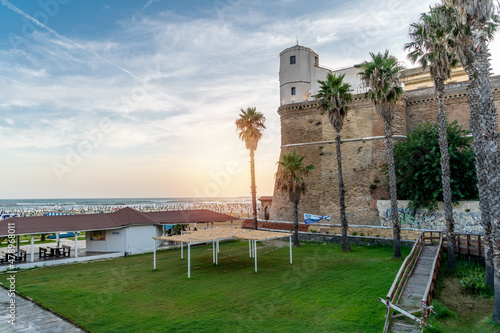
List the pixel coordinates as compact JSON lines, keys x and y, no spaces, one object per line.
{"x":49,"y":252}
{"x":16,"y":257}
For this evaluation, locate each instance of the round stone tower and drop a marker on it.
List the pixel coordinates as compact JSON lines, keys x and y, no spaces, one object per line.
{"x":299,"y":72}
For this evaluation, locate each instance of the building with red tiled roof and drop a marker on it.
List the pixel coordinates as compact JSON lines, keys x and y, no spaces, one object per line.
{"x":127,"y":230}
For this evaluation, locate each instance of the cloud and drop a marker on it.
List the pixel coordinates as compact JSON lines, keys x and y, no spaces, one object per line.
{"x":191,"y":75}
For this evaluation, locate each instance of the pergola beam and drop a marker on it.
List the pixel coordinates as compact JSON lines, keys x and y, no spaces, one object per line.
{"x":216,"y":235}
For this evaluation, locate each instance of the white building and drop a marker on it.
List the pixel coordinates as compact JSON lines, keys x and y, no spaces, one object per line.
{"x":300,"y":71}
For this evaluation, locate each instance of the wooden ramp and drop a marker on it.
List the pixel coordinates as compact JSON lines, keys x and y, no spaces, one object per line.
{"x":414,"y":286}
{"x":412,"y":295}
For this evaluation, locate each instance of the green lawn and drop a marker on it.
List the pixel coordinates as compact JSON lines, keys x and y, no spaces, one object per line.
{"x":325,"y":290}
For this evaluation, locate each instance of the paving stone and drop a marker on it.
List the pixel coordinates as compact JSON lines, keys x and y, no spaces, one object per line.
{"x":31,"y":318}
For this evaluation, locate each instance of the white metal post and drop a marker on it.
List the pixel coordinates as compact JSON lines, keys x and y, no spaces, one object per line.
{"x":216,"y":252}
{"x":290,"y":249}
{"x":218,"y":246}
{"x":250,"y":248}
{"x":32,"y":254}
{"x":213,"y":252}
{"x":182,"y":250}
{"x":57,"y":239}
{"x":76,"y":244}
{"x":255,"y":254}
{"x":154,"y":254}
{"x":189,"y":260}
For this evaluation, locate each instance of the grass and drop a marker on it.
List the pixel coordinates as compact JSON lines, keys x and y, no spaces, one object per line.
{"x":457,"y":308}
{"x":325,"y":290}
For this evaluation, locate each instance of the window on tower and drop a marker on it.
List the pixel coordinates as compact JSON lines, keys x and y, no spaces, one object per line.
{"x":292,"y":60}
{"x":293,"y":90}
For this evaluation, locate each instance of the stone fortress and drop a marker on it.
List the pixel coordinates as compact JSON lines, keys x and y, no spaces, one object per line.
{"x":306,"y":130}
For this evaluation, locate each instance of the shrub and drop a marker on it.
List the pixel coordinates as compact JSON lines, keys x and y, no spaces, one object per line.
{"x":354,"y":233}
{"x":418,"y":166}
{"x":472,"y":277}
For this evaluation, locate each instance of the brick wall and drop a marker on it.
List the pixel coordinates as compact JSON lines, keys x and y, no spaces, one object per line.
{"x":361,"y":160}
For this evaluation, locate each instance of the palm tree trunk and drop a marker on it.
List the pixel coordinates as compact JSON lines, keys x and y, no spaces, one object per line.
{"x":482,"y":124}
{"x":343,"y":219}
{"x":393,"y":191}
{"x":253,"y":188}
{"x":445,"y":172}
{"x":296,"y":223}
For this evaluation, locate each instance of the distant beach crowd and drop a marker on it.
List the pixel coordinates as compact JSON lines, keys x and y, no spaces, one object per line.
{"x":233,"y":209}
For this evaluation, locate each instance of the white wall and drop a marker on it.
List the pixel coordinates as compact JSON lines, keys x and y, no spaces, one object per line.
{"x":139,"y":238}
{"x":305,"y":73}
{"x":115,"y":241}
{"x":298,"y":75}
{"x":131,"y":239}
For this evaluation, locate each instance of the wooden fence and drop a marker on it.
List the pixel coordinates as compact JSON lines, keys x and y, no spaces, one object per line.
{"x":402,"y":277}
{"x":399,"y":284}
{"x":431,"y":285}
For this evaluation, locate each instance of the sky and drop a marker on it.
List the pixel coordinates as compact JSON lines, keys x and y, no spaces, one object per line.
{"x":138,"y":98}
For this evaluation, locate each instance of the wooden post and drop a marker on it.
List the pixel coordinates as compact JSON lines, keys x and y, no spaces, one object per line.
{"x":468,"y":244}
{"x":479,"y":245}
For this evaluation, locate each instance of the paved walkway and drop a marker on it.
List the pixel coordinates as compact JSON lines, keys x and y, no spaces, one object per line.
{"x":31,"y":317}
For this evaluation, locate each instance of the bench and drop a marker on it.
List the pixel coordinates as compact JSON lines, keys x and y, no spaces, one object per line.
{"x":14,"y":257}
{"x":66,"y":251}
{"x":42,"y":253}
{"x":20,"y":256}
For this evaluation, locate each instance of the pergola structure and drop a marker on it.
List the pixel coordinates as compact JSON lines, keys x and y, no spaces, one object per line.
{"x":218,"y":234}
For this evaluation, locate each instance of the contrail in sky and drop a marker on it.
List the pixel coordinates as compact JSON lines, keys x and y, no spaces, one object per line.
{"x":55,"y":33}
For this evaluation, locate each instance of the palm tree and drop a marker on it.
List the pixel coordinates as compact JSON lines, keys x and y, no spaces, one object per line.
{"x":290,"y":180}
{"x":430,"y":47}
{"x":334,"y":96}
{"x":250,"y":125}
{"x":381,"y":76}
{"x":473,"y":24}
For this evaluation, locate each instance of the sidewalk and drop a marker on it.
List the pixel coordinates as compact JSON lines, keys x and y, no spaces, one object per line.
{"x":31,"y":317}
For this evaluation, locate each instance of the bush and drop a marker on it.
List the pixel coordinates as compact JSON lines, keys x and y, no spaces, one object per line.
{"x":354,"y":233}
{"x":418,"y":166}
{"x":472,"y":277}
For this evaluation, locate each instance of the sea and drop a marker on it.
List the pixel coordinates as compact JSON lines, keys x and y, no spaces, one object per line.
{"x":31,"y":207}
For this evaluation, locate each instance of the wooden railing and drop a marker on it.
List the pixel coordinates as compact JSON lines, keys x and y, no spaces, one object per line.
{"x":431,"y":285}
{"x":402,"y":277}
{"x":399,"y":284}
{"x":469,"y":244}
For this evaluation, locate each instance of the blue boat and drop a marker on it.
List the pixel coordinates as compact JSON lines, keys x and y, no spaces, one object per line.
{"x":62,"y":235}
